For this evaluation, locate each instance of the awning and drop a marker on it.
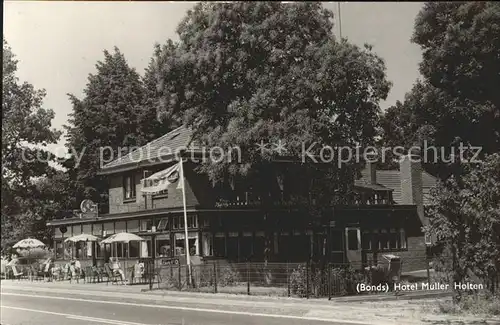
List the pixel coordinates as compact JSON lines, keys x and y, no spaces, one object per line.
{"x":159,"y":179}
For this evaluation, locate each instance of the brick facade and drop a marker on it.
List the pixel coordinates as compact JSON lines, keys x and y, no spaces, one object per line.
{"x":172,"y":199}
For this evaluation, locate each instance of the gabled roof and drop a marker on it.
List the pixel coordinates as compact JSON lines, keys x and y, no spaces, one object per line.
{"x":392,"y":180}
{"x":163,"y":147}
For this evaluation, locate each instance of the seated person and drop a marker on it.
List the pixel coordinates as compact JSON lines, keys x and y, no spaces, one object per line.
{"x":116,"y":267}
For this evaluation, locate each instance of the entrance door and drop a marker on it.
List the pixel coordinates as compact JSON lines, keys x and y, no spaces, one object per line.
{"x":337,"y":246}
{"x":353,"y":246}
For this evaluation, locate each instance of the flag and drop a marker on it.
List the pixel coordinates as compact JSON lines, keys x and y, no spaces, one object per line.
{"x":180,"y":184}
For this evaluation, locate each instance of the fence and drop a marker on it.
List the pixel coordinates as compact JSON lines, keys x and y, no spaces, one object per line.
{"x":305,"y":280}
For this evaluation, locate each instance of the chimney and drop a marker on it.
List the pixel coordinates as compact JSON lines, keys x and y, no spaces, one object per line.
{"x":410,"y":168}
{"x":372,"y":172}
{"x":371,"y":167}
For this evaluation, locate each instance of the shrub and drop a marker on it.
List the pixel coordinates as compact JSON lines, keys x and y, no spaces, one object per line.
{"x":343,"y":280}
{"x":203,"y":276}
{"x":475,"y":304}
{"x":227,"y":277}
{"x":298,"y":282}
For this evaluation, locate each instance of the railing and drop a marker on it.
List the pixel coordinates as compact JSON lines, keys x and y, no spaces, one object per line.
{"x":373,"y":199}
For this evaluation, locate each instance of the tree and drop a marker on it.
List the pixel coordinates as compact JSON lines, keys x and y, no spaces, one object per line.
{"x":457,"y":100}
{"x":26,"y":130}
{"x":111,"y":120}
{"x":465,"y":216}
{"x":245,"y":72}
{"x":48,"y":197}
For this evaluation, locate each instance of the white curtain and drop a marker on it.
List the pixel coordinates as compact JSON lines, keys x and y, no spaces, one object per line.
{"x":89,"y":249}
{"x":144,"y":249}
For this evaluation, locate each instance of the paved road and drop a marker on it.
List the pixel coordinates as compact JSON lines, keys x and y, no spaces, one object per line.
{"x":19,"y":307}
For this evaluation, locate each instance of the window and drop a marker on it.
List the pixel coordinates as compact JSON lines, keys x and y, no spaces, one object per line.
{"x":146,"y":182}
{"x":97,"y":229}
{"x":163,"y":248}
{"x":175,"y":223}
{"x":129,"y":187}
{"x":146,"y":248}
{"x":80,"y":250}
{"x":393,"y":239}
{"x":77,"y":230}
{"x":133,"y":226}
{"x":162,"y":224}
{"x":180,"y":244}
{"x":352,"y":239}
{"x":192,"y":221}
{"x":120,"y":226}
{"x":119,"y":249}
{"x":109,"y":228}
{"x":98,"y":251}
{"x":366,"y":240}
{"x":206,"y":222}
{"x":384,"y":240}
{"x":59,"y":249}
{"x":402,"y":238}
{"x":86,"y":229}
{"x":146,"y":225}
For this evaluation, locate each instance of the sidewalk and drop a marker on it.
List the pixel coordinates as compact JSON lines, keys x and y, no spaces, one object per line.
{"x":377,"y":312}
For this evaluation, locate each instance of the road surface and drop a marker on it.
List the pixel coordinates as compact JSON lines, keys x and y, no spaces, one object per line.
{"x":21,"y":307}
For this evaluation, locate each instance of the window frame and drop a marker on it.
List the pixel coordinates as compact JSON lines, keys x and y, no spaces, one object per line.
{"x":133,"y":192}
{"x":380,"y":239}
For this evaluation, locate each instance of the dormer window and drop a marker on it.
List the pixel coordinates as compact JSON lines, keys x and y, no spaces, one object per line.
{"x":129,"y":187}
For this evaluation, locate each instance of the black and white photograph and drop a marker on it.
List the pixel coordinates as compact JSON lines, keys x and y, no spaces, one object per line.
{"x":250,"y":162}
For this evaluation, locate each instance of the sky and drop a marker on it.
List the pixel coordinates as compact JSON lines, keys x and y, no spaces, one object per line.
{"x":58,"y":43}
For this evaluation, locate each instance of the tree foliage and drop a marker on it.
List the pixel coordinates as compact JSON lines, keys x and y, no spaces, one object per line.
{"x":115,"y":113}
{"x":465,"y":216}
{"x":458,"y":98}
{"x":26,"y":130}
{"x":248,"y":72}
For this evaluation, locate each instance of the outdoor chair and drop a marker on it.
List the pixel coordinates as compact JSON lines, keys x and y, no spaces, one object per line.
{"x":89,"y":274}
{"x":38,"y":272}
{"x":112,"y":275}
{"x":57,"y":273}
{"x":93,"y":273}
{"x":76,"y":273}
{"x":16,"y":273}
{"x":101,"y":273}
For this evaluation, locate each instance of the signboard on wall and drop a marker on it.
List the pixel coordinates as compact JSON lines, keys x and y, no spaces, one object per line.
{"x":169,"y":261}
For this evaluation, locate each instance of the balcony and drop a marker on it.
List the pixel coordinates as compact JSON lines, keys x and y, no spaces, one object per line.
{"x":376,"y":198}
{"x":247,"y":200}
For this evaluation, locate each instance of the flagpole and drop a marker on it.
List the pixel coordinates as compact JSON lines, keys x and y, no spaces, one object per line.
{"x":186,"y":240}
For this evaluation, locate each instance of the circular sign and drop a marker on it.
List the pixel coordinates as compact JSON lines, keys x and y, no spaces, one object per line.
{"x":63,"y":229}
{"x":87,"y":206}
{"x":173,"y":177}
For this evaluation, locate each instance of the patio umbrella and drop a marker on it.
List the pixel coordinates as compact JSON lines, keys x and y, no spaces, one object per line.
{"x":123,"y":237}
{"x":82,"y":237}
{"x":29,"y":243}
